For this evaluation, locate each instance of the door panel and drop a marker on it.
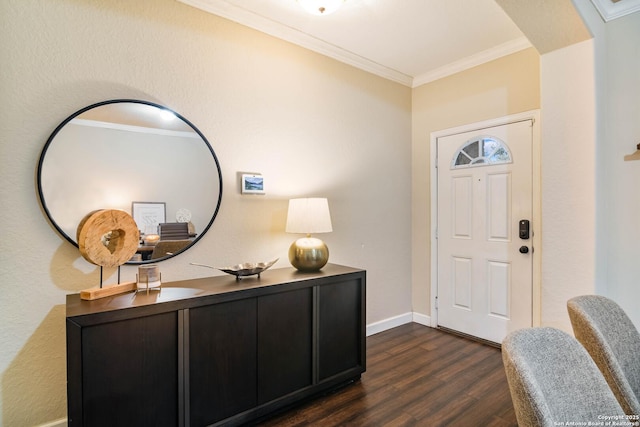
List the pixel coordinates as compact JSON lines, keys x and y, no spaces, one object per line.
{"x":119,"y":359}
{"x":222,"y":360}
{"x":462,"y":207}
{"x":499,"y":288}
{"x":484,"y":283}
{"x":498,"y":206}
{"x":340,"y":332}
{"x":462,"y":282}
{"x":284,"y":343}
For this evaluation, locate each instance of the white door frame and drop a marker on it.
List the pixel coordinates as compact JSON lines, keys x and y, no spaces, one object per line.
{"x":536,"y":222}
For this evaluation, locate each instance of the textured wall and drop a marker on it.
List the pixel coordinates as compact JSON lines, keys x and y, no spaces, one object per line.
{"x":549,"y":25}
{"x":590,"y":112}
{"x":619,"y":201}
{"x":311,"y":125}
{"x":568,"y":179}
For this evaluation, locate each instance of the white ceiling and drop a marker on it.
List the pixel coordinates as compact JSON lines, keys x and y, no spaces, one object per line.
{"x":408,"y":41}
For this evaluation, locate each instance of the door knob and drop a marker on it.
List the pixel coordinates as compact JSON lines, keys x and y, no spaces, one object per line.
{"x":524,"y":249}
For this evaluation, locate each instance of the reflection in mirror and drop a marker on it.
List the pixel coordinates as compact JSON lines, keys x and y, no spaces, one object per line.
{"x":114,"y":153}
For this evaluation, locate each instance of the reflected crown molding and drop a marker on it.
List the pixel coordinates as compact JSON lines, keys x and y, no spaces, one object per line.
{"x":131,"y":128}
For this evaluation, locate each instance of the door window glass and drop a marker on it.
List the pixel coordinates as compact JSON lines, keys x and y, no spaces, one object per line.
{"x":484,"y":150}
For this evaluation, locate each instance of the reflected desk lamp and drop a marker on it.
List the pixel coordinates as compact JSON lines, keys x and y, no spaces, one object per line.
{"x":308,"y":216}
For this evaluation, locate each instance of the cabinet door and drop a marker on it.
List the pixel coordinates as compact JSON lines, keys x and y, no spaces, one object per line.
{"x":341,"y":336}
{"x":222,"y":361}
{"x":130,"y":372}
{"x":284,"y":343}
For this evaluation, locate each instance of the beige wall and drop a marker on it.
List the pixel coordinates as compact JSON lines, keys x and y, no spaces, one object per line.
{"x":591,"y":235}
{"x":568,"y":181}
{"x":617,"y":203}
{"x":311,"y":125}
{"x":505,"y":86}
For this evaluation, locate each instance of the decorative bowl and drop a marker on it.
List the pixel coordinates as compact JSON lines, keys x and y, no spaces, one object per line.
{"x":243,"y":270}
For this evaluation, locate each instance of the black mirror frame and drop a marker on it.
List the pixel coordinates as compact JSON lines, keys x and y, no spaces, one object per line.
{"x":115,"y":101}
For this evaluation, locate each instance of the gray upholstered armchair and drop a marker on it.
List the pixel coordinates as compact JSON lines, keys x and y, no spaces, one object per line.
{"x":613,"y":342}
{"x":173,"y":230}
{"x":553,"y":380}
{"x":168,"y":247}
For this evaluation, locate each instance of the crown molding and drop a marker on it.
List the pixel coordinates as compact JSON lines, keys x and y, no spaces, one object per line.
{"x":273,"y":28}
{"x":610,"y":10}
{"x":474,"y":60}
{"x":258,"y":22}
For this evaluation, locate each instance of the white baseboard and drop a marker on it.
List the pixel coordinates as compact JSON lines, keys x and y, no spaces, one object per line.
{"x":392,"y":322}
{"x":422,"y":319}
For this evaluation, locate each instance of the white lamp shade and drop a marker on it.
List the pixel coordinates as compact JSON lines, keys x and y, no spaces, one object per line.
{"x":321,"y":7}
{"x":309,"y":216}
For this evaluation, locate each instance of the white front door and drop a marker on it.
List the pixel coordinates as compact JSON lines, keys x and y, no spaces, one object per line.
{"x":484,"y":185}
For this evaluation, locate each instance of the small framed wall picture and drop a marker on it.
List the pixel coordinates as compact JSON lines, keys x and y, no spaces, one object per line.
{"x":252,"y":184}
{"x":148,"y":215}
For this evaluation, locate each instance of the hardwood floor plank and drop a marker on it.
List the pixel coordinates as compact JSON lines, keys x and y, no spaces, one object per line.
{"x":416,"y":376}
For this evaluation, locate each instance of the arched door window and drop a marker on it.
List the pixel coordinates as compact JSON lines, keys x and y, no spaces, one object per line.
{"x":481,"y":151}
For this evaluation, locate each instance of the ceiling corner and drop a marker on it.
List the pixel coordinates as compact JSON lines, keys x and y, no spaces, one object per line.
{"x":549,"y":25}
{"x":612,"y":9}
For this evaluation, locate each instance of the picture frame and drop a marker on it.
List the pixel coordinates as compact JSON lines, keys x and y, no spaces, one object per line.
{"x":252,"y":184}
{"x":148,"y":215}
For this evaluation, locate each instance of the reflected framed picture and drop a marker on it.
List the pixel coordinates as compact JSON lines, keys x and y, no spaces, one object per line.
{"x":148,"y":215}
{"x":252,"y":184}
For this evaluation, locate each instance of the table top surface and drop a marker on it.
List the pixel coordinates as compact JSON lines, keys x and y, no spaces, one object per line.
{"x":220,"y":285}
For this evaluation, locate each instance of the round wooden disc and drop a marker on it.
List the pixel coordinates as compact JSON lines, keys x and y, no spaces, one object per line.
{"x":108,"y":237}
{"x":81,"y":225}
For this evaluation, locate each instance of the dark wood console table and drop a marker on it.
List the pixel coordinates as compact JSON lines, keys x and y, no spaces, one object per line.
{"x":214,"y":351}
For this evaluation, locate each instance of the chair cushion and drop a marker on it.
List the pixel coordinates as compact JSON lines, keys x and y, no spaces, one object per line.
{"x":613,"y":342}
{"x":553,"y":379}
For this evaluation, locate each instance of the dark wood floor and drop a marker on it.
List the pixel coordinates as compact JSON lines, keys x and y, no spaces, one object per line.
{"x":416,"y":376}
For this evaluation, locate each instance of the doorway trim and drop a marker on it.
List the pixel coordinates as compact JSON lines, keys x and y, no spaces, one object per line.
{"x":534,"y":115}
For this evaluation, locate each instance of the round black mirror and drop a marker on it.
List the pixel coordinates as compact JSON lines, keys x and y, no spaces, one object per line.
{"x":139,"y":157}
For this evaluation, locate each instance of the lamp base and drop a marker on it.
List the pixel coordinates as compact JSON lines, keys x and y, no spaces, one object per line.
{"x":308,"y":254}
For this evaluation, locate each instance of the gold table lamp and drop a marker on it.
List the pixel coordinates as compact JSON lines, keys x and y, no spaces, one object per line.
{"x":308,"y":216}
